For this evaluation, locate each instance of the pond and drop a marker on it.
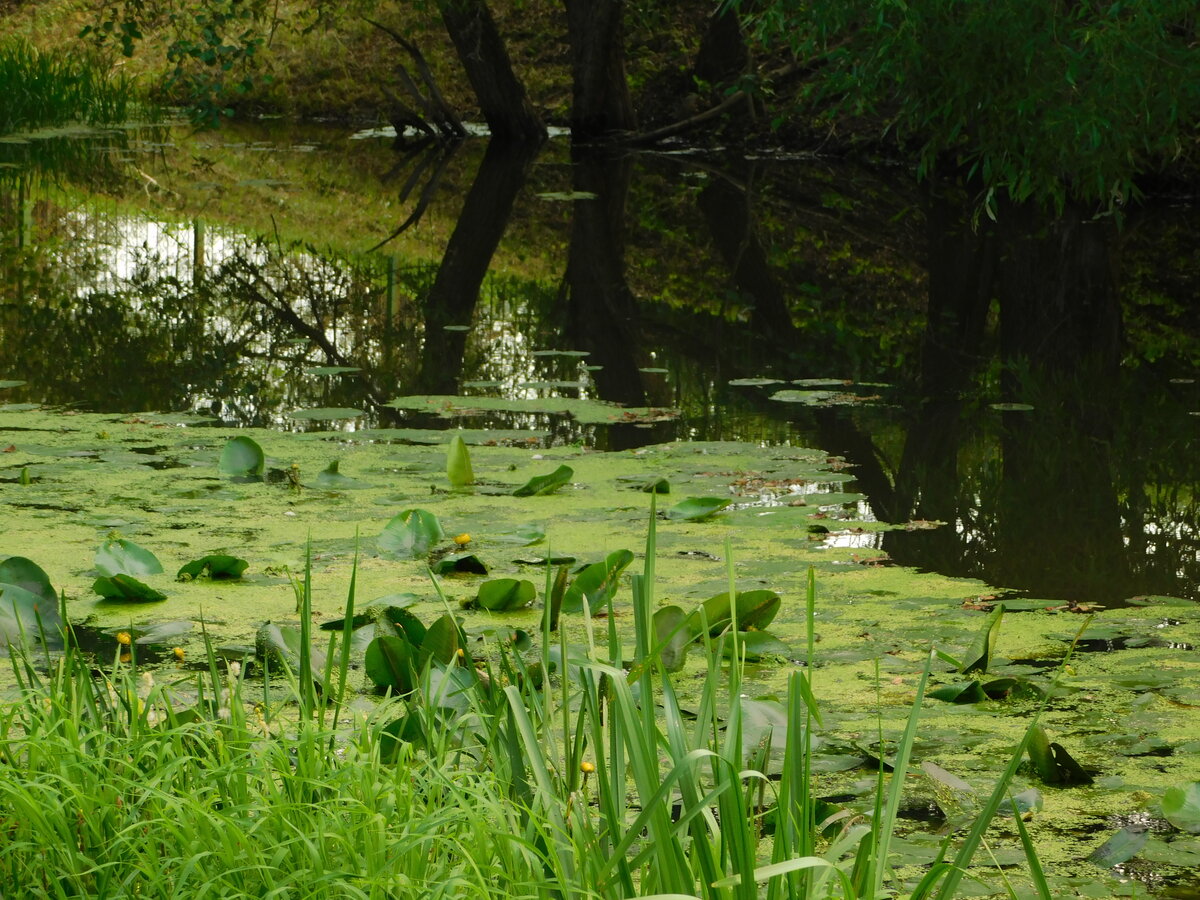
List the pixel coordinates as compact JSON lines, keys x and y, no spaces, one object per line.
{"x":938,"y":412}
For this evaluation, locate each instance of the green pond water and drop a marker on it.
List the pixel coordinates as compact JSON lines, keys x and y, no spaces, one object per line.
{"x":882,"y":388}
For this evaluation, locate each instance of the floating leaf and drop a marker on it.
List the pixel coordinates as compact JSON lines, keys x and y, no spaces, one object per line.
{"x":330,"y":370}
{"x":671,"y":634}
{"x":458,"y":463}
{"x":284,"y":643}
{"x":333,"y":480}
{"x":979,"y":653}
{"x":524,"y":535}
{"x":963,"y":692}
{"x":566,"y":195}
{"x":243,"y":457}
{"x":753,"y":382}
{"x":29,"y":576}
{"x":460,"y":564}
{"x":598,"y":582}
{"x":440,"y":644}
{"x":325,"y":414}
{"x":1022,"y":803}
{"x":25,"y":615}
{"x":755,"y":609}
{"x":758,"y":645}
{"x":545,"y":484}
{"x":656,"y":485}
{"x":410,"y":534}
{"x":162,"y":633}
{"x":505,"y":593}
{"x":1053,"y":763}
{"x":216,"y":566}
{"x":1123,"y":846}
{"x":10,"y":384}
{"x":389,"y":663}
{"x":121,"y":557}
{"x":807,"y":398}
{"x":696,"y":509}
{"x":1181,"y":807}
{"x":126,"y":588}
{"x":1012,"y":407}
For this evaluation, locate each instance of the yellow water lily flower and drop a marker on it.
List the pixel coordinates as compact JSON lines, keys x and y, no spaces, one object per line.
{"x":124,"y":638}
{"x":462,"y":539}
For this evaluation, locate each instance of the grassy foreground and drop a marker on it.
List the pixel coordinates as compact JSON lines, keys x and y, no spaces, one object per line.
{"x":485,"y":779}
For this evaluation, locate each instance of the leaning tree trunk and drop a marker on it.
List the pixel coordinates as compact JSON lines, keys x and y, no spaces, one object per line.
{"x":481,"y":50}
{"x":600,"y":106}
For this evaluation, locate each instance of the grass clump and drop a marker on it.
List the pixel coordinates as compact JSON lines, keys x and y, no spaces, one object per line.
{"x":45,"y":87}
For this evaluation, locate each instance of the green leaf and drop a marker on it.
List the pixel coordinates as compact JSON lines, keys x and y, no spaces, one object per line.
{"x":126,"y":588}
{"x":458,"y":463}
{"x":672,"y":636}
{"x":285,"y":643}
{"x":460,"y":564}
{"x":407,"y":729}
{"x":10,"y":384}
{"x":501,"y":594}
{"x":217,"y":566}
{"x":979,"y":654}
{"x":545,"y":484}
{"x":330,"y":370}
{"x":390,"y":665}
{"x":963,"y":692}
{"x":524,"y":535}
{"x":331,"y":479}
{"x":1052,"y":762}
{"x":758,"y":645}
{"x":21,"y":610}
{"x":441,"y":643}
{"x":1181,"y":807}
{"x":323,"y":414}
{"x":162,"y":633}
{"x":656,"y":485}
{"x":598,"y":581}
{"x":1124,"y":844}
{"x":242,"y":457}
{"x":29,"y":576}
{"x":694,"y":509}
{"x":755,"y":609}
{"x":121,"y":557}
{"x":410,"y":534}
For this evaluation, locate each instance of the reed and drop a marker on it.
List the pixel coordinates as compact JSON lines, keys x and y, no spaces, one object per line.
{"x":42,"y":88}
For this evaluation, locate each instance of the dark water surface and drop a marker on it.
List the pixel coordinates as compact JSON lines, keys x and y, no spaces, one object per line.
{"x":1031,"y":383}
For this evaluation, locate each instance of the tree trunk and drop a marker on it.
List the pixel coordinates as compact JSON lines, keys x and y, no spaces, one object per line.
{"x":600,"y":106}
{"x":502,"y":97}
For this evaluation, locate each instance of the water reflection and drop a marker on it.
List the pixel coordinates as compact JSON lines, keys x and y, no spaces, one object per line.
{"x":666,"y":277}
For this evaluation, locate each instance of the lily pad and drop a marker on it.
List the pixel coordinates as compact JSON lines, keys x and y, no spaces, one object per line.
{"x":584,"y":411}
{"x":325,"y":413}
{"x":1123,"y":846}
{"x":331,"y":370}
{"x":566,"y":195}
{"x":10,"y":384}
{"x":121,"y":557}
{"x":758,"y":645}
{"x":458,"y":463}
{"x":217,"y":566}
{"x":24,"y":615}
{"x":331,"y":479}
{"x":410,"y":534}
{"x":502,"y":594}
{"x":390,"y":664}
{"x":755,"y":609}
{"x":598,"y":582}
{"x":126,"y":588}
{"x":29,"y":576}
{"x":753,"y":382}
{"x":808,"y":398}
{"x":522,"y":535}
{"x":460,"y":564}
{"x":545,"y":484}
{"x":1012,"y":407}
{"x":242,"y":457}
{"x":1181,"y":807}
{"x":695,"y":509}
{"x":673,"y":635}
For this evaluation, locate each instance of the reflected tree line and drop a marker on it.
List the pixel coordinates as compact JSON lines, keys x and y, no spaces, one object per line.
{"x":1075,"y":499}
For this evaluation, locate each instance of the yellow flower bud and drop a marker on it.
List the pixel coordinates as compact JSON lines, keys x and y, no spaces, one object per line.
{"x":124,"y":638}
{"x":179,"y":654}
{"x":462,"y":539}
{"x":587,"y":768}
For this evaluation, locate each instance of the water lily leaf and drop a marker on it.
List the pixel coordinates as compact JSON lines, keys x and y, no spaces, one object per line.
{"x":656,"y":485}
{"x":458,"y":463}
{"x":216,"y":566}
{"x":331,"y":479}
{"x":695,"y":509}
{"x":1053,"y":763}
{"x":1181,"y":807}
{"x":979,"y":653}
{"x":29,"y":576}
{"x":408,"y":729}
{"x":1123,"y":846}
{"x":410,"y":534}
{"x":441,"y":643}
{"x":464,"y":563}
{"x":821,"y":382}
{"x":1012,"y":407}
{"x":753,"y":382}
{"x":524,"y":535}
{"x":126,"y":588}
{"x":758,"y":645}
{"x":674,"y":637}
{"x":10,"y":384}
{"x":242,"y":457}
{"x":500,"y":594}
{"x":162,"y":633}
{"x":755,"y":609}
{"x":331,"y":370}
{"x":1022,"y":803}
{"x":808,"y":398}
{"x":121,"y":557}
{"x":322,"y":414}
{"x":598,"y":582}
{"x":25,"y":615}
{"x":283,"y":643}
{"x":561,"y":353}
{"x":545,"y":484}
{"x":390,"y":665}
{"x":566,"y":195}
{"x":963,"y":692}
